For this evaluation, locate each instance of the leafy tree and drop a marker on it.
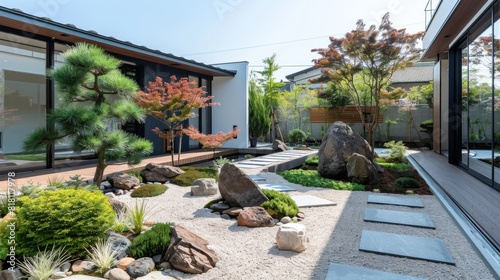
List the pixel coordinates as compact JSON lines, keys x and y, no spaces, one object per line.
{"x":93,"y":91}
{"x":172,"y":103}
{"x":259,"y":121}
{"x":371,"y":55}
{"x":422,"y":94}
{"x":271,"y":89}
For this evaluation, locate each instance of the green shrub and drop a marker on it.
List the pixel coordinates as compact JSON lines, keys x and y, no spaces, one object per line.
{"x":311,"y":178}
{"x":187,"y":178}
{"x":397,"y":153}
{"x":152,"y":242}
{"x":312,"y":161}
{"x":136,"y":173}
{"x":406,"y":183}
{"x":64,"y":218}
{"x":297,"y":136}
{"x":396,"y":167}
{"x":279,"y":204}
{"x":149,"y":190}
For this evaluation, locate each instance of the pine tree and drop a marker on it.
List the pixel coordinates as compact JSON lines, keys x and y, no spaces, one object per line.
{"x":93,"y":91}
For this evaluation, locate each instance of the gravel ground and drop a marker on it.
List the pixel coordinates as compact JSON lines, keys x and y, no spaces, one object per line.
{"x":334,"y":233}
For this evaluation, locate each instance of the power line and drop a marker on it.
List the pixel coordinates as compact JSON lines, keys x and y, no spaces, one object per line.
{"x":279,"y":43}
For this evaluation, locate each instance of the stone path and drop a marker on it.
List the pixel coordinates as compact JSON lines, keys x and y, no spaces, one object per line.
{"x":398,"y":245}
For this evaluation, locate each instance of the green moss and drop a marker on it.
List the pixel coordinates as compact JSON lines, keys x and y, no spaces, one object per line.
{"x":396,"y":167}
{"x":406,"y":183}
{"x":312,"y":161}
{"x":190,"y":174}
{"x":149,"y":190}
{"x":311,"y":178}
{"x":279,"y":204}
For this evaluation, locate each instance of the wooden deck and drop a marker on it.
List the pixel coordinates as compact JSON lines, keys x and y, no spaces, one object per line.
{"x":87,"y":170}
{"x":479,"y":202}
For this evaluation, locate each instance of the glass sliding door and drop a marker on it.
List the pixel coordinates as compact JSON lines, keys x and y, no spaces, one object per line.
{"x":23,"y":100}
{"x":465,"y":106}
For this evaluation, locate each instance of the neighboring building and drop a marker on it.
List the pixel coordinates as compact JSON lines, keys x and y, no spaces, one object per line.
{"x":302,"y":77}
{"x":29,"y":45}
{"x":419,"y":74}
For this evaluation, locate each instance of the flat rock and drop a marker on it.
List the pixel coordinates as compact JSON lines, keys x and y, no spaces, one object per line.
{"x":141,"y":267}
{"x":118,"y":274}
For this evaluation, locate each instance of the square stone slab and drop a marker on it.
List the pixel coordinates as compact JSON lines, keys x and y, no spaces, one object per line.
{"x":398,"y":218}
{"x":264,"y":160}
{"x":257,"y":178}
{"x":400,"y":245}
{"x":247,"y":162}
{"x":245,"y":166}
{"x":395,"y":200}
{"x":349,"y":272}
{"x":311,"y":201}
{"x":280,"y":188}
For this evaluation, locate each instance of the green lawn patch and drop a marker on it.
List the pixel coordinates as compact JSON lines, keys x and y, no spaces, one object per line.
{"x":311,"y":178}
{"x":192,"y":173}
{"x":396,"y":167}
{"x":28,"y":157}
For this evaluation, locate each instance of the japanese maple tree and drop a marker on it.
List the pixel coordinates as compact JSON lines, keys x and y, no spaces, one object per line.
{"x":172,"y":103}
{"x":210,"y":141}
{"x":370,"y":55}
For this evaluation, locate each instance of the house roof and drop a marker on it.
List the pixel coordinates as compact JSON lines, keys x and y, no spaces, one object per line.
{"x":17,"y":19}
{"x":421,"y":72}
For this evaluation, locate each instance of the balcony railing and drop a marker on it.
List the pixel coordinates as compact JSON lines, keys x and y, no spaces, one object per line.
{"x":430,"y":9}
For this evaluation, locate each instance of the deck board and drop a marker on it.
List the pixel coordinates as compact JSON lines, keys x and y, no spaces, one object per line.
{"x":480,"y":201}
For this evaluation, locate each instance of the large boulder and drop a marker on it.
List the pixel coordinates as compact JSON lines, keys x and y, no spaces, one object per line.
{"x":338,"y":144}
{"x":255,"y":217}
{"x":361,"y":170}
{"x":120,"y":244}
{"x":189,"y":253}
{"x":159,"y":173}
{"x":237,"y":189}
{"x":123,"y":181}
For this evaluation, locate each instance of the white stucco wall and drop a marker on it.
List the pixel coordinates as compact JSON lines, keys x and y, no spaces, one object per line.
{"x":232,"y":94}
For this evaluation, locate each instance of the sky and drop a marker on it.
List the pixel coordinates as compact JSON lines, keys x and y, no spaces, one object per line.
{"x":219,"y":31}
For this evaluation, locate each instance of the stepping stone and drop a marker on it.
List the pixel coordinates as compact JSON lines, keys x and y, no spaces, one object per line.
{"x":267,"y":160}
{"x":280,"y":188}
{"x":311,"y":201}
{"x":395,"y":200}
{"x":349,"y":272}
{"x":254,"y":163}
{"x":398,"y":218}
{"x":245,"y":166}
{"x":257,"y":178}
{"x":400,"y":245}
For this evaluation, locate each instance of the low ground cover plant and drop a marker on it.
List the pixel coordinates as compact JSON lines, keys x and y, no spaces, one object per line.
{"x":311,"y":178}
{"x":279,"y":204}
{"x":396,"y":167}
{"x":406,"y":183}
{"x":149,"y":190}
{"x":187,"y":178}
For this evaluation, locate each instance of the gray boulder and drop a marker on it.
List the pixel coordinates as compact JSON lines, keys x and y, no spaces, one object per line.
{"x":361,"y":170}
{"x":159,"y":173}
{"x":120,"y":244}
{"x":140,"y":267}
{"x":338,"y":144}
{"x":118,"y":274}
{"x":237,"y":189}
{"x":123,"y":181}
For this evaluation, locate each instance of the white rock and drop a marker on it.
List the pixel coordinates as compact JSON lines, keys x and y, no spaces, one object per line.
{"x":118,"y":274}
{"x":286,"y":220}
{"x":204,"y":187}
{"x":292,"y":237}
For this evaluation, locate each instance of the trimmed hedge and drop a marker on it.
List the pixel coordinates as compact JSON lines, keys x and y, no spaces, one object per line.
{"x":149,"y":190}
{"x":64,"y":218}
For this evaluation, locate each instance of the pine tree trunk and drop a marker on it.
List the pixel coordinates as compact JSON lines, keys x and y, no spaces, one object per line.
{"x":101,"y":165}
